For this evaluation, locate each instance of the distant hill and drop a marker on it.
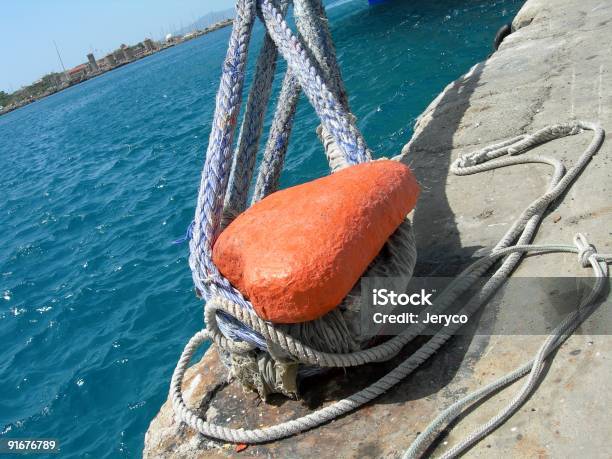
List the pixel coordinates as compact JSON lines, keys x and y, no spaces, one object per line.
{"x":208,"y":20}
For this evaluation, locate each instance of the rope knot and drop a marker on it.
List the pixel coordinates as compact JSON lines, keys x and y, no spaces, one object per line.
{"x":565,"y":129}
{"x":469,"y":160}
{"x":585,"y":249}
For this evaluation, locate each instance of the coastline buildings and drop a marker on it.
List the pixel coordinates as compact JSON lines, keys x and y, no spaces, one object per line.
{"x":148,"y":44}
{"x":109,"y":61}
{"x":127,"y":53}
{"x":120,"y":56}
{"x":123,"y":55}
{"x":76,"y":74}
{"x":93,"y":65}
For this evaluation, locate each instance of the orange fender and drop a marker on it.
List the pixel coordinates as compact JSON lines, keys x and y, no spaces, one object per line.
{"x":297,"y":253}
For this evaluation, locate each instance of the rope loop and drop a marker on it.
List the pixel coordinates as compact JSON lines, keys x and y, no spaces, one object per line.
{"x":585,"y":250}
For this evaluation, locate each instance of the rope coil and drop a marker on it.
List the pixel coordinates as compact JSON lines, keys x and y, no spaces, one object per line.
{"x":597,"y":261}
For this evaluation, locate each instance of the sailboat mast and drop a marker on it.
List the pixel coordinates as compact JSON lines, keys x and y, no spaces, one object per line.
{"x":59,"y":56}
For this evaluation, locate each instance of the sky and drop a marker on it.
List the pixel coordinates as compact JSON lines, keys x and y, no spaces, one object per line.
{"x":29,"y":27}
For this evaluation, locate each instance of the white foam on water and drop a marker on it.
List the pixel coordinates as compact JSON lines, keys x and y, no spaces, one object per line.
{"x":338,"y":3}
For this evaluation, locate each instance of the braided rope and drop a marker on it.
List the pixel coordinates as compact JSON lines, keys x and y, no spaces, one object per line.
{"x":218,"y":156}
{"x":333,"y":115}
{"x":313,"y":30}
{"x":252,"y":125}
{"x":278,"y":139}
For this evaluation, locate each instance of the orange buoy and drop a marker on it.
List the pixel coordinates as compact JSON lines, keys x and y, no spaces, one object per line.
{"x":297,"y":253}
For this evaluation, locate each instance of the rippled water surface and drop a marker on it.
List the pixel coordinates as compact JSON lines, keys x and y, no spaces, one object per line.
{"x":95,"y":302}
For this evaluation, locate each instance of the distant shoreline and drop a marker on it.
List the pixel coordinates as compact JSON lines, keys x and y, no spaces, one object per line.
{"x":166,"y":45}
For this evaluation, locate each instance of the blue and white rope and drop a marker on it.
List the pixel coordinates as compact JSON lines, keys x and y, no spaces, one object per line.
{"x":213,"y":191}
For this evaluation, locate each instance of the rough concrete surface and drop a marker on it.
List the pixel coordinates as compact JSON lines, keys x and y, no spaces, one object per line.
{"x":555,"y":67}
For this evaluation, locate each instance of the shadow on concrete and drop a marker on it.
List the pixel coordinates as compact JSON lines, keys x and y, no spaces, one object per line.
{"x":429,"y":156}
{"x":441,"y":254}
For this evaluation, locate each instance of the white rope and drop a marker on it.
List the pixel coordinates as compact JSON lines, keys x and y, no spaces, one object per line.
{"x":522,"y":231}
{"x":475,"y":163}
{"x":535,"y":367}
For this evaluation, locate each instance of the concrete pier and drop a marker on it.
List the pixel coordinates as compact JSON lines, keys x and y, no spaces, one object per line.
{"x":554,"y":67}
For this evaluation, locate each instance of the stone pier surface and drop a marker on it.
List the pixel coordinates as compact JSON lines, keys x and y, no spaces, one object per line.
{"x":554,"y":67}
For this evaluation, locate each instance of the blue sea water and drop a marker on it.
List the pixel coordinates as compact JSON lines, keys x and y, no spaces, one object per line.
{"x":95,"y":302}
